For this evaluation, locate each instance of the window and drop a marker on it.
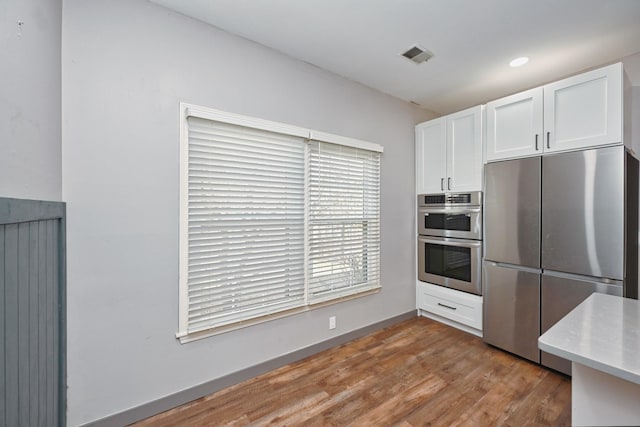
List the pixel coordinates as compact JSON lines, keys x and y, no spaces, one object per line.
{"x":273,"y":220}
{"x":344,"y":226}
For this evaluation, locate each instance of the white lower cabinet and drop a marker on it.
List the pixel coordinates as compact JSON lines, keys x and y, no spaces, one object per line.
{"x":458,"y":309}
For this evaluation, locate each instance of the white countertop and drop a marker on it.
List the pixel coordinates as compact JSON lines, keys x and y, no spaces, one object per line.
{"x":603,"y":333}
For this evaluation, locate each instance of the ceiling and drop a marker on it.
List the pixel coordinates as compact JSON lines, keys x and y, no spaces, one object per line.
{"x":472,"y":40}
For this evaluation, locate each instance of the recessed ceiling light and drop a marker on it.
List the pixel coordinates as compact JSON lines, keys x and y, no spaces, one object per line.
{"x":518,"y":62}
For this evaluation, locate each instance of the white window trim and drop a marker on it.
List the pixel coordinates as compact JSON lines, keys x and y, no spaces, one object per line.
{"x":191,"y":110}
{"x":343,"y":140}
{"x":195,"y":336}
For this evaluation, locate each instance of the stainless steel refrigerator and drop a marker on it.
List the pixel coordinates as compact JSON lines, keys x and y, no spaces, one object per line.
{"x":557,"y":228}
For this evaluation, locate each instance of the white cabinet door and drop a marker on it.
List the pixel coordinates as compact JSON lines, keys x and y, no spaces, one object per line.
{"x":514,"y":126}
{"x":431,"y":156}
{"x":584,"y":111}
{"x":464,"y":150}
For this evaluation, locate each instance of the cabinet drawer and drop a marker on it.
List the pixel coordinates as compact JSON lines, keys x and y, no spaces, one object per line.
{"x":457,"y":306}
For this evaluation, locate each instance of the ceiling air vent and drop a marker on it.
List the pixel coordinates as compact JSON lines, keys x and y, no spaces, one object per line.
{"x":417,"y":54}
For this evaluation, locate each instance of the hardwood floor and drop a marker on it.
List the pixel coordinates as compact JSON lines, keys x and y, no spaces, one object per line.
{"x":415,"y":373}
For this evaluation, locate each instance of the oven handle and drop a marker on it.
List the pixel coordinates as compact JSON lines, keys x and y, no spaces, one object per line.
{"x":461,"y":243}
{"x":451,"y":211}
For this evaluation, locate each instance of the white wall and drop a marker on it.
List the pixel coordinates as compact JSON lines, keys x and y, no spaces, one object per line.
{"x":30,"y":165}
{"x":632,"y":68}
{"x":126,"y":66}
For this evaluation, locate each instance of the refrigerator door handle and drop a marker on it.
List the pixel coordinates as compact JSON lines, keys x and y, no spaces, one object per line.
{"x":514,"y":266}
{"x":571,"y":276}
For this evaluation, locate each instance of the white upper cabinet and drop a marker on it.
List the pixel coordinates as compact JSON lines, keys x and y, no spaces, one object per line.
{"x":449,"y":153}
{"x":575,"y":113}
{"x":431,"y":155}
{"x":514,"y":125}
{"x":584,"y":110}
{"x":464,"y":150}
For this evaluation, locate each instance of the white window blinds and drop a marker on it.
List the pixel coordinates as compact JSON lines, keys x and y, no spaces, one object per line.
{"x":343,"y":221}
{"x":271,"y":221}
{"x":245,"y":223}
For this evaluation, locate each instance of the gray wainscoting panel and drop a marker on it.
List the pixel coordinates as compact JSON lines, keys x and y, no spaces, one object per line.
{"x":32,"y":296}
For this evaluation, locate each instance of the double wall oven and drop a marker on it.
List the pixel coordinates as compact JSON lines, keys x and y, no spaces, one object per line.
{"x":450,"y":240}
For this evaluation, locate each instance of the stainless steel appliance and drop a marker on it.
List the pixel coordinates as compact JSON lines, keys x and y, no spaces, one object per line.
{"x":456,"y":215}
{"x":558,"y":228}
{"x":449,"y":241}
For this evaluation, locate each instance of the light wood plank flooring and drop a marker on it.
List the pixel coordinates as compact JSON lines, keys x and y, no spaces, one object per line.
{"x":415,"y":373}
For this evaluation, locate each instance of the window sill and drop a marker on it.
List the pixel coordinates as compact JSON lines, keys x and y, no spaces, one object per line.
{"x":195,"y":336}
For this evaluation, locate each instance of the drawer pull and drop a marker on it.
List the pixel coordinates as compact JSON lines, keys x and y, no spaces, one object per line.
{"x":446,"y":306}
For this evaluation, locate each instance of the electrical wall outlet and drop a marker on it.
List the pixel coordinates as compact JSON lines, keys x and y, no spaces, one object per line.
{"x":332,"y":322}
